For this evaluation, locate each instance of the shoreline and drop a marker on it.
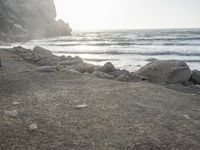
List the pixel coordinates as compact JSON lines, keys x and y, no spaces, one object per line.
{"x":43,"y":108}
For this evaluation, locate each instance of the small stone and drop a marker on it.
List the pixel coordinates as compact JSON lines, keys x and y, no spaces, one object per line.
{"x":186,"y":116}
{"x":74,"y":71}
{"x":81,"y":106}
{"x":12,"y":113}
{"x":15,"y":103}
{"x":33,"y":127}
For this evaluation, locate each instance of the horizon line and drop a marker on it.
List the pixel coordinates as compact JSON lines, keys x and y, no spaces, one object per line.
{"x":126,"y":29}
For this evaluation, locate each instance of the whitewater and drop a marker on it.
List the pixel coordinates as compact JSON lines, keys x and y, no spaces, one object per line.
{"x":126,"y":49}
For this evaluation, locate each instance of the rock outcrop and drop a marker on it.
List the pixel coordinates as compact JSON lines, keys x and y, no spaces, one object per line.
{"x":107,"y":67}
{"x":166,"y":71}
{"x":22,"y":20}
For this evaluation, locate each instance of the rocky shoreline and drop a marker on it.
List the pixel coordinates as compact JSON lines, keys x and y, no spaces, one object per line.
{"x":162,"y":72}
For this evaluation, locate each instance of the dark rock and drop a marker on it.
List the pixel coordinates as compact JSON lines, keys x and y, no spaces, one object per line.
{"x":85,"y":67}
{"x":195,"y":76}
{"x":136,"y":77}
{"x":62,"y":58}
{"x":108,"y":67}
{"x":166,"y":71}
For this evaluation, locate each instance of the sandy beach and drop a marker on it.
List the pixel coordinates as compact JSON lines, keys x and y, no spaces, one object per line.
{"x":62,"y":110}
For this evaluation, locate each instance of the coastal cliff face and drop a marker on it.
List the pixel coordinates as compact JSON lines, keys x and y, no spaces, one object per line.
{"x":30,"y":19}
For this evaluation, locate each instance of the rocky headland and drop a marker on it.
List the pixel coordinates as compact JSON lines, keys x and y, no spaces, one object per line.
{"x":30,"y":19}
{"x":59,"y":102}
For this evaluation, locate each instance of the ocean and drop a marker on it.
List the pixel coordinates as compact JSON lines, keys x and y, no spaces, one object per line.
{"x":126,"y":49}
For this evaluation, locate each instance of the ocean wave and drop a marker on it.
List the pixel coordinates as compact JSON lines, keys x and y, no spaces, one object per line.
{"x":100,"y":60}
{"x":133,"y":53}
{"x":124,"y":44}
{"x":185,"y":60}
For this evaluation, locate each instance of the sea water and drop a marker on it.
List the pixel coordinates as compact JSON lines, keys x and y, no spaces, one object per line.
{"x":127,"y":49}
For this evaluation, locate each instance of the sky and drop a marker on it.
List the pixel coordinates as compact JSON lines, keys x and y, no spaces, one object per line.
{"x":129,"y":14}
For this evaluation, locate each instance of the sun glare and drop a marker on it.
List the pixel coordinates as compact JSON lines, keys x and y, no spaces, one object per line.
{"x":128,"y":14}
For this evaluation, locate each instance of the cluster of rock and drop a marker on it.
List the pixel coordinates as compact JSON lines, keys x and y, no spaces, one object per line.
{"x":30,"y":19}
{"x":160,"y":71}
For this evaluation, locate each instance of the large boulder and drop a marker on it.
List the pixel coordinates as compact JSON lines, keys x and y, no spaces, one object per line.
{"x":46,"y":57}
{"x":85,"y":67}
{"x":41,"y":51}
{"x":196,"y":76}
{"x":107,"y":67}
{"x":166,"y":71}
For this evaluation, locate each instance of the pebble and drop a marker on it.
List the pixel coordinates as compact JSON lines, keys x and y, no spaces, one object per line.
{"x":186,"y":116}
{"x":33,"y":127}
{"x":12,"y":113}
{"x":81,"y":106}
{"x":15,"y":103}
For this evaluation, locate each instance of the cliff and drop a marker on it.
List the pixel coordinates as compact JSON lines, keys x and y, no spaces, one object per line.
{"x":30,"y":19}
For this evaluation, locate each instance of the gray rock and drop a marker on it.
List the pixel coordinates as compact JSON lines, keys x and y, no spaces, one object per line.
{"x":196,"y":76}
{"x":41,"y":51}
{"x":124,"y":78}
{"x":107,"y":67}
{"x":85,"y":67}
{"x":0,"y":61}
{"x":166,"y":71}
{"x":59,"y":67}
{"x":48,"y":61}
{"x":25,"y":54}
{"x":62,"y":58}
{"x":136,"y":77}
{"x":69,"y":70}
{"x":12,"y":113}
{"x":33,"y":127}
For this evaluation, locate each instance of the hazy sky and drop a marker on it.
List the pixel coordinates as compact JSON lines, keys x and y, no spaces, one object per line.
{"x":129,"y":14}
